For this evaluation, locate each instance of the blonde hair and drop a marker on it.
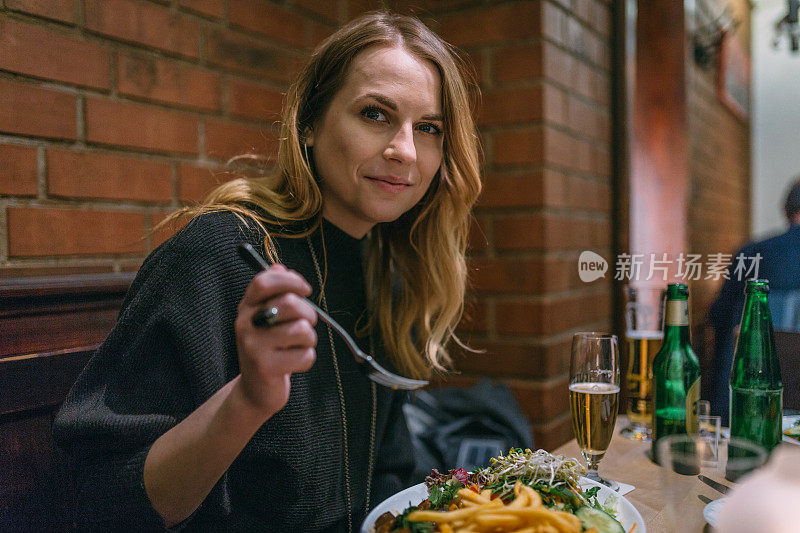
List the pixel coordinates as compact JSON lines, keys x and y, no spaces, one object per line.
{"x":424,"y":248}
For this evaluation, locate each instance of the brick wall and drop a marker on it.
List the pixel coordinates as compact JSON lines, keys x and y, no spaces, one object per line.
{"x":544,"y":71}
{"x":719,"y":160}
{"x":114,"y":112}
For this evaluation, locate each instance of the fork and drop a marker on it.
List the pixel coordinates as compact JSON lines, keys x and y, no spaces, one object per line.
{"x":377,"y":373}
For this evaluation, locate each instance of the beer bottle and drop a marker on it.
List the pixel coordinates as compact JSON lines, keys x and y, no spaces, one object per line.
{"x":676,"y":371}
{"x":756,"y":388}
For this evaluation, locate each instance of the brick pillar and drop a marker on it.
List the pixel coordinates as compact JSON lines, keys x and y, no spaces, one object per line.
{"x":544,"y":70}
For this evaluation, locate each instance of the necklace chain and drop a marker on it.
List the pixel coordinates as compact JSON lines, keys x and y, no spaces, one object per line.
{"x":346,"y":447}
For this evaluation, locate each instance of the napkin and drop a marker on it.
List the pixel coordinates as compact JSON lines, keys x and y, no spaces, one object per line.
{"x":624,"y":488}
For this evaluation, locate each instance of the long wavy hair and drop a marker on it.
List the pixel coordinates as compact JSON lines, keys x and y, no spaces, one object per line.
{"x":424,"y":248}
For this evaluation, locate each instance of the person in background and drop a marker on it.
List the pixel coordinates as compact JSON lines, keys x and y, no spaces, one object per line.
{"x":780,"y":264}
{"x":219,"y":402}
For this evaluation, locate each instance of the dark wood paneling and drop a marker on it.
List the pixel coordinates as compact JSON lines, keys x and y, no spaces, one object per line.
{"x":52,"y":313}
{"x":39,"y":381}
{"x":36,"y":492}
{"x":49,"y":328}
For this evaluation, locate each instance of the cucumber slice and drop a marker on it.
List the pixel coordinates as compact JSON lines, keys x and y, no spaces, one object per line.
{"x":595,"y":518}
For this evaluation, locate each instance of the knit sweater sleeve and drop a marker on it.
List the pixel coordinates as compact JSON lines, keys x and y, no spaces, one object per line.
{"x":172,"y":348}
{"x":395,"y":458}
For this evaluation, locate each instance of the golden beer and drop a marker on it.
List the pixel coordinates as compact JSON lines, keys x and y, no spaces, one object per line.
{"x":642,"y":348}
{"x":594,"y":412}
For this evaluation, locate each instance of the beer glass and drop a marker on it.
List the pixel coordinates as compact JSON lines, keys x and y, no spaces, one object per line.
{"x":593,"y":396}
{"x":644,"y":316}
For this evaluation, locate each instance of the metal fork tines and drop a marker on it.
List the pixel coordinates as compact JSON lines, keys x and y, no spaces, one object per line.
{"x":377,"y":373}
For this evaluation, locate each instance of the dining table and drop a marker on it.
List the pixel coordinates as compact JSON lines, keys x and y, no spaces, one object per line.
{"x":628,"y":461}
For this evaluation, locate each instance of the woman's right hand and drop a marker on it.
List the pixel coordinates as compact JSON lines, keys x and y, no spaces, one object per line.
{"x":268,"y":356}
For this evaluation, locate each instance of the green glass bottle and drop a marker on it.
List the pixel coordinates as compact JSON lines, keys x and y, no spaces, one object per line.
{"x":676,"y":371}
{"x":756,"y":388}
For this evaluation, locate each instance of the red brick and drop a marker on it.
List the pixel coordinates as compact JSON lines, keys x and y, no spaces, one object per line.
{"x":602,"y":162}
{"x":254,"y":101}
{"x":548,"y":231}
{"x":510,"y":106}
{"x":583,"y":160}
{"x":583,"y":9}
{"x":476,"y":239}
{"x":329,"y":10}
{"x":318,"y":33}
{"x":194,"y":183}
{"x":514,"y":359}
{"x":475,"y":317}
{"x":140,"y":126}
{"x":524,"y":190}
{"x":602,"y":19}
{"x":582,"y":118}
{"x":516,"y":275}
{"x":553,"y":433}
{"x":38,"y":232}
{"x":553,"y":22}
{"x":225,"y":140}
{"x":267,"y":19}
{"x":519,"y":147}
{"x":519,"y":232}
{"x":244,"y":54}
{"x":585,"y":80}
{"x":211,"y":8}
{"x":353,"y":8}
{"x":29,"y":110}
{"x":144,"y":23}
{"x":18,"y":170}
{"x":541,"y":401}
{"x":160,"y":234}
{"x":492,"y":24}
{"x":165,"y":81}
{"x":63,"y":10}
{"x":503,"y":274}
{"x":550,"y":316}
{"x":577,"y":39}
{"x":555,"y":105}
{"x":559,"y":148}
{"x":62,"y":59}
{"x":86,"y":175}
{"x":518,"y":63}
{"x":558,"y":65}
{"x":603,"y":127}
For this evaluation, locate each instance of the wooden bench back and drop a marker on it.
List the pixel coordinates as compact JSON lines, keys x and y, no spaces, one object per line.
{"x":49,"y":328}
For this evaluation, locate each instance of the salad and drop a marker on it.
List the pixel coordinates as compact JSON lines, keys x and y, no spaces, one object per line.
{"x":794,"y":430}
{"x":548,"y":484}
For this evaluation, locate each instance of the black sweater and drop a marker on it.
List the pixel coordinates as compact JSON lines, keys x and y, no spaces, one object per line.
{"x":174,"y":347}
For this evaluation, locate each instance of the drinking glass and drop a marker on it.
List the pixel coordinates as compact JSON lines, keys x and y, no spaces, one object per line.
{"x":593,"y":395}
{"x":644,"y":316}
{"x":695,"y":480}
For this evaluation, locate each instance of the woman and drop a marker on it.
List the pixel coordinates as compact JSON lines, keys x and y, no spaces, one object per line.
{"x":195,"y":413}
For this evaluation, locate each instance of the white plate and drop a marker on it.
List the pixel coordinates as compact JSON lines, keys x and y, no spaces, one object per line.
{"x":712,"y":510}
{"x":788,"y":421}
{"x":628,"y":515}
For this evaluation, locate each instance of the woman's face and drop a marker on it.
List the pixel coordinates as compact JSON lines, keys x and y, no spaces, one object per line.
{"x":379,"y":144}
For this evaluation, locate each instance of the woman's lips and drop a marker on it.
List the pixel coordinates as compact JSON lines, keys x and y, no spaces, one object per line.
{"x":389,"y":184}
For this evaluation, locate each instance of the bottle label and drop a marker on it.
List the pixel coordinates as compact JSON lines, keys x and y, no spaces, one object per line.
{"x":677,"y":313}
{"x":692,"y":396}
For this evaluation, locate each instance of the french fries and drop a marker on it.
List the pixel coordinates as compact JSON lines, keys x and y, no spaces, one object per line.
{"x":479,"y":513}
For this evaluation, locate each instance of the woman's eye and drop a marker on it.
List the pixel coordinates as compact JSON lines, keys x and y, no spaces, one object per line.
{"x":374,"y":113}
{"x":432,"y":129}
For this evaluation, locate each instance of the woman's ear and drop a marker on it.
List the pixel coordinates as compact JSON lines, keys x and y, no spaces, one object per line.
{"x":308,"y":136}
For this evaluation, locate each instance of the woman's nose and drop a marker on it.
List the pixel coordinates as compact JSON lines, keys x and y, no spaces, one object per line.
{"x":401,"y":147}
